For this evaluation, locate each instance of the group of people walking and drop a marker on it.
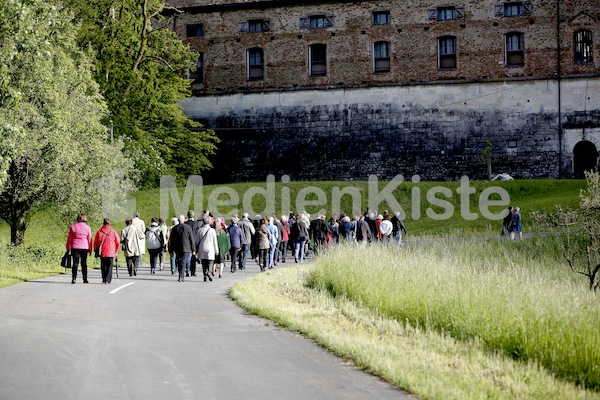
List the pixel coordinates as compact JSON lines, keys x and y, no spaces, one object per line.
{"x":212,"y":242}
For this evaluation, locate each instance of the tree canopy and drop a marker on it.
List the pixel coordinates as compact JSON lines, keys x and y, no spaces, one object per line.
{"x":54,"y":146}
{"x":139,"y":67}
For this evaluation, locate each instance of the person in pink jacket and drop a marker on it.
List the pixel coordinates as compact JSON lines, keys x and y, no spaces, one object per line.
{"x":107,"y":241}
{"x":79,"y":244}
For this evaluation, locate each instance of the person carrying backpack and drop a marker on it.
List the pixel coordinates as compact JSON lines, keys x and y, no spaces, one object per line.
{"x":155,"y":242}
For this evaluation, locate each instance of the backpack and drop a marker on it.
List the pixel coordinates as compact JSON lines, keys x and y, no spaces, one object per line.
{"x":153,"y":239}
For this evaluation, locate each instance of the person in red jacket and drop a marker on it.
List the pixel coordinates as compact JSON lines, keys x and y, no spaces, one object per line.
{"x":107,"y":243}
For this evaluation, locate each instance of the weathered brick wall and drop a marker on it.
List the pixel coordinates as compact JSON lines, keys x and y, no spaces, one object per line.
{"x":437,"y":131}
{"x":413,"y":38}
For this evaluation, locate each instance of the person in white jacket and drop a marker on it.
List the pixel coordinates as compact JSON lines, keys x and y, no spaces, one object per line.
{"x":131,"y":236}
{"x":206,"y":247}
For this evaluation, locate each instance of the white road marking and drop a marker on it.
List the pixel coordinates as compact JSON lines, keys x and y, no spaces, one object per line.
{"x":120,"y":287}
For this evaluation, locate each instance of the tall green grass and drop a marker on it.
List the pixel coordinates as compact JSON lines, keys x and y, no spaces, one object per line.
{"x":516,"y":298}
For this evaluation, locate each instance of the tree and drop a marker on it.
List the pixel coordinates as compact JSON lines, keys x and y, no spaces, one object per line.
{"x":139,"y":67}
{"x":579,"y":231}
{"x":50,"y":118}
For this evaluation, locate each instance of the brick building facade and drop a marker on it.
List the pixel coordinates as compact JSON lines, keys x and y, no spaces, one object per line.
{"x":342,"y":89}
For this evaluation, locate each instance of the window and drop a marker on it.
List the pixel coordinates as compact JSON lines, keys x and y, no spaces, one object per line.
{"x":318,"y":60}
{"x":446,"y":13}
{"x":381,"y":56}
{"x":254,"y":25}
{"x":513,"y":9}
{"x":194,"y":30}
{"x":316,"y":22}
{"x":256,"y":64}
{"x":198,"y":74}
{"x":447,"y":52}
{"x":515,"y":49}
{"x":583,"y":46}
{"x":381,"y":18}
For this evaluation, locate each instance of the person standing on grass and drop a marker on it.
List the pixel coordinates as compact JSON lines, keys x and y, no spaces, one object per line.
{"x":386,"y":228}
{"x":247,"y":228}
{"x":398,"y":227}
{"x":235,"y":240}
{"x":515,"y":225}
{"x":79,"y":243}
{"x":363,"y":232}
{"x":207,"y":247}
{"x":154,"y":242}
{"x":130,"y":237}
{"x":107,"y":243}
{"x":181,"y":244}
{"x":506,"y":222}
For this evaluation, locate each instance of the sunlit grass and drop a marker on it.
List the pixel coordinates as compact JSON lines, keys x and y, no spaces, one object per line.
{"x":515,"y":298}
{"x":423,"y":361}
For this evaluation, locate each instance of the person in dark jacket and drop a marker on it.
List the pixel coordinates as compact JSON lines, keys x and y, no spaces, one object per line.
{"x":318,"y":232}
{"x":235,"y":239}
{"x":398,"y":227}
{"x":506,"y":222}
{"x":363,"y":232}
{"x":181,"y":242}
{"x":190,"y":267}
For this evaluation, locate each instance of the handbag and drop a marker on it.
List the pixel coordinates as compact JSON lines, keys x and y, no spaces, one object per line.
{"x":65,"y":262}
{"x":98,"y":249}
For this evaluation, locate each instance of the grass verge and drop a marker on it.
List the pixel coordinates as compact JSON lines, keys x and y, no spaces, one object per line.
{"x":25,"y":263}
{"x":433,"y":360}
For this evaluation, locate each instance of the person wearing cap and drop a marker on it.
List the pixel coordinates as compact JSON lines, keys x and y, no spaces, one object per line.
{"x":235,"y":240}
{"x":130,"y":238}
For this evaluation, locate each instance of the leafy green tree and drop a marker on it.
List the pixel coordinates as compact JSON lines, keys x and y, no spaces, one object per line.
{"x":139,"y":67}
{"x":50,"y":119}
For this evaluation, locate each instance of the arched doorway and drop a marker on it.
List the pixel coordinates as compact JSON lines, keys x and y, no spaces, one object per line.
{"x":585,"y":158}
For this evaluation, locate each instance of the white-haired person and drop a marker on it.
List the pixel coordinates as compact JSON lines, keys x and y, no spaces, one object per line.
{"x":515,"y":224}
{"x":172,"y":256}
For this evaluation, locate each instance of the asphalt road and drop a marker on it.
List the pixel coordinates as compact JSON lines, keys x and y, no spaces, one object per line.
{"x":157,"y":338}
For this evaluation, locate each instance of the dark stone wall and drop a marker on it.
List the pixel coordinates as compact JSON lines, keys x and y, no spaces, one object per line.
{"x":349,"y":142}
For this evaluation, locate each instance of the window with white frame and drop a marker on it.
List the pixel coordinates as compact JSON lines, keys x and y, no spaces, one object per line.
{"x":447,"y":52}
{"x":515,"y":49}
{"x":381,"y":56}
{"x":256,"y":64}
{"x":381,"y":18}
{"x":583,"y":46}
{"x":317,"y":59}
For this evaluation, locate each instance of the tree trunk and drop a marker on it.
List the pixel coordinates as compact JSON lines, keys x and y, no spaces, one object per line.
{"x":18,"y":225}
{"x":489,"y":168}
